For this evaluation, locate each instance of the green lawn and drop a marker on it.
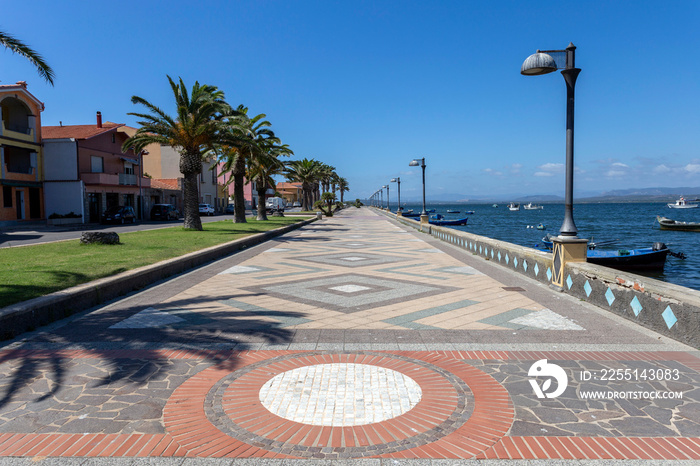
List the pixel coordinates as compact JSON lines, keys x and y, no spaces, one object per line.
{"x":31,"y":271}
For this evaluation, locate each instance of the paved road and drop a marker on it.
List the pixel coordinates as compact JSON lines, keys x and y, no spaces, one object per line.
{"x":354,"y":337}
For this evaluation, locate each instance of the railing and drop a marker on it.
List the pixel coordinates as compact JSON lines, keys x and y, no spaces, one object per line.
{"x":99,"y":178}
{"x":23,"y":133}
{"x":127,"y":179}
{"x":24,"y":171}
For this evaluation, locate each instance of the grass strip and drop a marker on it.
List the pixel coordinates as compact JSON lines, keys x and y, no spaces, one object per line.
{"x":31,"y":271}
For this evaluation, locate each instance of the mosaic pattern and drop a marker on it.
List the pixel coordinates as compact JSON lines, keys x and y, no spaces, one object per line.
{"x":367,"y":291}
{"x":340,"y":394}
{"x":353,"y":259}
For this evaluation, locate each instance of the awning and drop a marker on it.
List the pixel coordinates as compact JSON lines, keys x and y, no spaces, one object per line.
{"x":127,"y":159}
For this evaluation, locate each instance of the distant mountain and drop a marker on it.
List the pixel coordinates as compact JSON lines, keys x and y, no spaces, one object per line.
{"x":644,"y":195}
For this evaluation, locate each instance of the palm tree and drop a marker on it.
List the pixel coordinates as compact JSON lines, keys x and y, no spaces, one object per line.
{"x":235,"y":147}
{"x":17,"y":46}
{"x":192,"y":132}
{"x":342,"y":186}
{"x":306,"y":172}
{"x":263,"y":166}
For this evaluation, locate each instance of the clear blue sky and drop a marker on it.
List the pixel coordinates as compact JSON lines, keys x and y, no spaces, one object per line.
{"x":366,"y":86}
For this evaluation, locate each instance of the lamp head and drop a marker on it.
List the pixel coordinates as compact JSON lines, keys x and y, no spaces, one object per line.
{"x":393,"y":180}
{"x":537,"y":64}
{"x":414,"y":163}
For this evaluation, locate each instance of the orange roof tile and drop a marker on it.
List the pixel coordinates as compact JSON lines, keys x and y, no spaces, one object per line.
{"x":76,"y":131}
{"x":164,"y":183}
{"x":284,"y":185}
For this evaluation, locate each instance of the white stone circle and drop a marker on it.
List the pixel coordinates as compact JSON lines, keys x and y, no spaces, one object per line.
{"x":340,"y":394}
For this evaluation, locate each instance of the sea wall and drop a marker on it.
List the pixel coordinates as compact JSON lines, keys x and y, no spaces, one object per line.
{"x":668,"y":309}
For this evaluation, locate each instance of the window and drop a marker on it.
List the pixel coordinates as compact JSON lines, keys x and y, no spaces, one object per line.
{"x":97,"y":164}
{"x":128,"y":168}
{"x":201,"y":177}
{"x":213,"y":175}
{"x":114,"y":138}
{"x":7,"y":196}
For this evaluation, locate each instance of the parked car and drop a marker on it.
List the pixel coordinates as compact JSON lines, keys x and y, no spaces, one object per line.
{"x":119,"y":214}
{"x":229,"y":209}
{"x":274,"y":204}
{"x":164,"y":212}
{"x":296,"y":204}
{"x":206,"y":209}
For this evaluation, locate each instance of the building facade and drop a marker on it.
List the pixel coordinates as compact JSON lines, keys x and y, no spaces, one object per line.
{"x":89,"y":158}
{"x":21,"y":175}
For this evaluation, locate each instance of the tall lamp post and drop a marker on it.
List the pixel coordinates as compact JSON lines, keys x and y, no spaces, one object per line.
{"x":568,"y":247}
{"x":421,"y":163}
{"x":388,"y":206}
{"x":544,"y":62}
{"x":397,"y":180}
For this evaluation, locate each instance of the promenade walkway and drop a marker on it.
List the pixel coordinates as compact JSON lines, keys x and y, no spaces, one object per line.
{"x":353,"y":337}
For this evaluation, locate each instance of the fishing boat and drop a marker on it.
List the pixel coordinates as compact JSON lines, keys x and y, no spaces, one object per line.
{"x":682,"y":203}
{"x":531,"y":206}
{"x":439,"y":220}
{"x":410,"y":214}
{"x":513,"y":206}
{"x":541,"y":226}
{"x":453,"y":211}
{"x":668,"y":224}
{"x":430,"y":211}
{"x":642,"y":259}
{"x":469,"y":212}
{"x":495,"y":206}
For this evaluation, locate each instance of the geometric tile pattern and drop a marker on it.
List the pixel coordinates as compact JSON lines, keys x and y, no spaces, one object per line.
{"x":669,"y":317}
{"x":609,"y":296}
{"x":587,"y":288}
{"x":636,"y":306}
{"x":351,"y":259}
{"x":365,"y":291}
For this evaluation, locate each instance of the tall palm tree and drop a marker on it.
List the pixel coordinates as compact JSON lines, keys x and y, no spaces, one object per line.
{"x":307,"y":172}
{"x":236,"y":145}
{"x":192,"y":132}
{"x":17,"y":46}
{"x":343,"y":186}
{"x":263,"y":166}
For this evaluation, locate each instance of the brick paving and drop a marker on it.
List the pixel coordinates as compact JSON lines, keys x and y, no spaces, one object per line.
{"x":353,"y":313}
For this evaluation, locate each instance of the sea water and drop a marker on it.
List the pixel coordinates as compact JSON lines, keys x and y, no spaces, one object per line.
{"x":632,"y":225}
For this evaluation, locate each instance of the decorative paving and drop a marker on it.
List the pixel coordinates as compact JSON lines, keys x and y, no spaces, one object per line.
{"x":349,"y":293}
{"x":316,"y":347}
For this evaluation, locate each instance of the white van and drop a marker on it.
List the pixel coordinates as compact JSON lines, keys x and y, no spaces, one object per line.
{"x":274,"y":204}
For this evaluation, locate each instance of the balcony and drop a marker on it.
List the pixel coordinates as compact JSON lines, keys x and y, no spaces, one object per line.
{"x":23,"y":133}
{"x":99,"y":178}
{"x":120,"y":179}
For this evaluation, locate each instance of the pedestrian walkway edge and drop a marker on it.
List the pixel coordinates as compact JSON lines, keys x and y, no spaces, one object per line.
{"x":28,"y":315}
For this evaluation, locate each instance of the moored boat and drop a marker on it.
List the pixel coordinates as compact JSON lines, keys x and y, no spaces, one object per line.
{"x":682,"y":203}
{"x":513,"y":206}
{"x":668,"y":224}
{"x":531,"y":206}
{"x":439,"y":220}
{"x":453,"y":211}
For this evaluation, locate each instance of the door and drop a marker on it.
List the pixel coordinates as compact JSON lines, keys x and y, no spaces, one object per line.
{"x":94,"y":199}
{"x":34,"y":203}
{"x":19,"y":197}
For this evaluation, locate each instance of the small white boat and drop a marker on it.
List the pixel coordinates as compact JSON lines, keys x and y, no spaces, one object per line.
{"x":513,"y":206}
{"x":531,"y":206}
{"x":682,"y":203}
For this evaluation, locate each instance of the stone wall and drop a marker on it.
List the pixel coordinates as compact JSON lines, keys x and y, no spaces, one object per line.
{"x":668,"y":309}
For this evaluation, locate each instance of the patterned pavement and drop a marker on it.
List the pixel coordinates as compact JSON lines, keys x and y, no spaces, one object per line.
{"x":353,"y":337}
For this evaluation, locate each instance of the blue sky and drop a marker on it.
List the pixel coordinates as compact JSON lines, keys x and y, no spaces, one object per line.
{"x":366,"y":86}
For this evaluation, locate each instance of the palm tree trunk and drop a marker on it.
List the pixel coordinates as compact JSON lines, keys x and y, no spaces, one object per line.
{"x":262,"y":188}
{"x":238,"y":195}
{"x":191,"y":201}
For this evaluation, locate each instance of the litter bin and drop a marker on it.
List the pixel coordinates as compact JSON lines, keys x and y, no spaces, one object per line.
{"x":319,"y":215}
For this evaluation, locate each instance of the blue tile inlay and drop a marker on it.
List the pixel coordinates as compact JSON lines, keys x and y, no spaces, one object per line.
{"x":507,"y":258}
{"x":491,"y":253}
{"x":525,"y":265}
{"x":515,"y":262}
{"x":569,"y":281}
{"x":537,"y":269}
{"x":669,"y":317}
{"x":636,"y":306}
{"x":609,"y":296}
{"x":588,"y":289}
{"x":549,"y":274}
{"x":499,"y":256}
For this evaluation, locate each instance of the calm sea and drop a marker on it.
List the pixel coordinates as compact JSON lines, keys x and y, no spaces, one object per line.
{"x":633,"y":225}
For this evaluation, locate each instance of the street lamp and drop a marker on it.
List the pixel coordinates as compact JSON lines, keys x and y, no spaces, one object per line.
{"x":547,"y":61}
{"x":420,"y":163}
{"x":397,"y":180}
{"x":381,"y":197}
{"x":387,"y":197}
